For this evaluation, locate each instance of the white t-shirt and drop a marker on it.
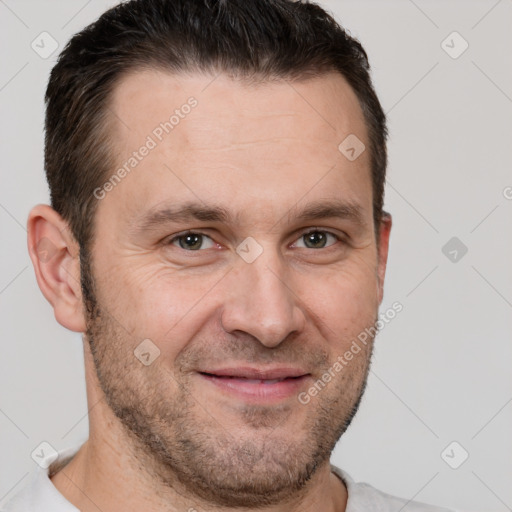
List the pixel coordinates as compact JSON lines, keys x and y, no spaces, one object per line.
{"x":40,"y":495}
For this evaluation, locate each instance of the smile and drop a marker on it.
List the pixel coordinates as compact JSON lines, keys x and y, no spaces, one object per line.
{"x":256,"y":385}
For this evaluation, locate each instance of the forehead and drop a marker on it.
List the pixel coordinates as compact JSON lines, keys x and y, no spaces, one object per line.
{"x":245,"y":145}
{"x":327,"y":104}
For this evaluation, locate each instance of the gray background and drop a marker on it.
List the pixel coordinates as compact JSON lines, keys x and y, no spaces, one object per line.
{"x":441,"y":371}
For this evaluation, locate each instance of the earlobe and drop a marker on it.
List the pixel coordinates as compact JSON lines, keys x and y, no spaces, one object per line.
{"x":55,"y":256}
{"x":384,"y":233}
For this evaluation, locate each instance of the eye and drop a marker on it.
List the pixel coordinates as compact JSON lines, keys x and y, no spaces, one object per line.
{"x":191,"y":241}
{"x":194,"y":241}
{"x":317,"y":239}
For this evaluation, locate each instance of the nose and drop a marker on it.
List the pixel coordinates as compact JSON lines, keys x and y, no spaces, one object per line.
{"x":262,"y":302}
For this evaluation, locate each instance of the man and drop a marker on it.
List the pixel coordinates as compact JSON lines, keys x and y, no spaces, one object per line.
{"x":216,"y":231}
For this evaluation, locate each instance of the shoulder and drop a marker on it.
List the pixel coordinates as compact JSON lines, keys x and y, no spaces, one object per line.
{"x":363,"y":497}
{"x":39,"y":493}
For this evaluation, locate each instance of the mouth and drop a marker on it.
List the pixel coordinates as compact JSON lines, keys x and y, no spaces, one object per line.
{"x":257,"y":385}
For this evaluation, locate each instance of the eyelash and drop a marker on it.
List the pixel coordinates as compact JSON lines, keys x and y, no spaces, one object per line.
{"x":312,"y":230}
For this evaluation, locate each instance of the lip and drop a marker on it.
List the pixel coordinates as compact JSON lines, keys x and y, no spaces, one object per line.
{"x":248,"y":372}
{"x":257,"y":384}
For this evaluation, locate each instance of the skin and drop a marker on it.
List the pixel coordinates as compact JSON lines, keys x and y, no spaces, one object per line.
{"x":162,"y":437}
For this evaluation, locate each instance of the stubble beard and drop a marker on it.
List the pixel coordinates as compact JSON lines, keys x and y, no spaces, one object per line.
{"x":182,"y":446}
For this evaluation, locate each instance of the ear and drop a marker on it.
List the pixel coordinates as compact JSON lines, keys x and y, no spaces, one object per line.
{"x":56,"y":259}
{"x":383,"y":247}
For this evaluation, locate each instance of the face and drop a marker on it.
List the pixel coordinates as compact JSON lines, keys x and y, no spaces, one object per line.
{"x":233,"y":265}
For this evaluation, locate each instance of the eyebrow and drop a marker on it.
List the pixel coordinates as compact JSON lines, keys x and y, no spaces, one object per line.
{"x":188,"y":211}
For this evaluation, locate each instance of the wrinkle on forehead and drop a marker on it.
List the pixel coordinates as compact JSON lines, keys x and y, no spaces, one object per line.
{"x":270,"y":143}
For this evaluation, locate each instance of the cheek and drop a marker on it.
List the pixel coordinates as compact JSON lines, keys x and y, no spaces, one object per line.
{"x":171,"y":307}
{"x":343,"y":302}
{"x":158,"y":303}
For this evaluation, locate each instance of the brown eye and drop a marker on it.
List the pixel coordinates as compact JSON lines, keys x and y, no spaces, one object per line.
{"x":191,"y":241}
{"x":317,"y":239}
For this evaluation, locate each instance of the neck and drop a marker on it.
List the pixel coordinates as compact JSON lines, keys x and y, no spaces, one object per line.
{"x":104,"y":476}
